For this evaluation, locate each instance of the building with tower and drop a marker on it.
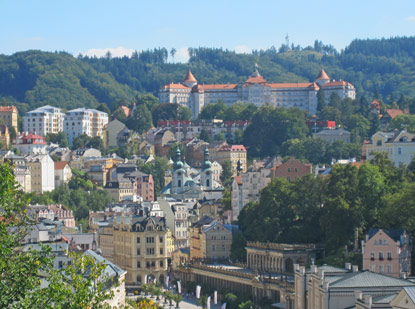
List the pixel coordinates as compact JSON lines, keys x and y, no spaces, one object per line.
{"x":190,"y":183}
{"x":257,"y":90}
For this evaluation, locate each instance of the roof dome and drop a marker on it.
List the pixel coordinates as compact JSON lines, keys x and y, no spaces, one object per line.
{"x":322,"y":75}
{"x":177,"y":160}
{"x":206,"y":163}
{"x":190,"y":77}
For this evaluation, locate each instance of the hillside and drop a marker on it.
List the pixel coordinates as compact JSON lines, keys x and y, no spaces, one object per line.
{"x":38,"y":78}
{"x":385,"y":67}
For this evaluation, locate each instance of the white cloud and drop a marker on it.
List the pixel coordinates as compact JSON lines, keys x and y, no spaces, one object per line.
{"x":115,"y":52}
{"x":182,"y":55}
{"x":410,"y":19}
{"x":242,"y":49}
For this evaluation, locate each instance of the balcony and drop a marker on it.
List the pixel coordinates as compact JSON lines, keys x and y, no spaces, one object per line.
{"x":381,"y":258}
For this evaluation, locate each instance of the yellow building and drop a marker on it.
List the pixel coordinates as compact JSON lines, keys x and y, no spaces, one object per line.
{"x":234,"y":154}
{"x":143,"y":246}
{"x":8,"y":116}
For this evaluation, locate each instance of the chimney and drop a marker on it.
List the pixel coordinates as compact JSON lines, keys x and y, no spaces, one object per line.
{"x":348,"y":266}
{"x":368,"y":300}
{"x":403,"y":275}
{"x":358,"y":295}
{"x":355,"y":268}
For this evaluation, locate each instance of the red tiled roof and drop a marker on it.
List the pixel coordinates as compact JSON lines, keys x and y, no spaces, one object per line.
{"x":238,"y":148}
{"x":322,"y":75}
{"x":175,"y":86}
{"x":393,"y":112}
{"x":238,"y":180}
{"x":36,"y":139}
{"x":218,"y":86}
{"x":337,"y":83}
{"x":60,"y":165}
{"x":126,"y":110}
{"x":256,"y":80}
{"x":291,"y":85}
{"x":190,"y":77}
{"x":7,"y":108}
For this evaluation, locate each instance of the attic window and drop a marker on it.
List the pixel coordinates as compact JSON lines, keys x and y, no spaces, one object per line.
{"x":379,"y":143}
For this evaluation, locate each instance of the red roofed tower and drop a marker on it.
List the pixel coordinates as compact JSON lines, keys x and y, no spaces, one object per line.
{"x":190,"y":80}
{"x":322,"y":78}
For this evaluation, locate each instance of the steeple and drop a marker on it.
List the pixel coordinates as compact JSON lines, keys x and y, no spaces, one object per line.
{"x":190,"y":80}
{"x":177,"y":160}
{"x":322,"y":78}
{"x":206,"y":163}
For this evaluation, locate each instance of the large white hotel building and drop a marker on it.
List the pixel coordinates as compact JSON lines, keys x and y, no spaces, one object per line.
{"x":49,"y":119}
{"x":254,"y":90}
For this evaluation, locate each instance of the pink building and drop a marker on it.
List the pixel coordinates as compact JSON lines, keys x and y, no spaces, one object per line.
{"x":59,"y":212}
{"x":387,"y":252}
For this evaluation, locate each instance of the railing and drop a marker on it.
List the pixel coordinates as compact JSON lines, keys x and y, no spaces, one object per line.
{"x":270,"y":245}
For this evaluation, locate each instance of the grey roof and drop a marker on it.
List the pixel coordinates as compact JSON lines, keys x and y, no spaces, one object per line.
{"x":395,"y":234}
{"x":111,"y":269}
{"x":331,"y":269}
{"x":385,"y":299}
{"x":336,"y":132}
{"x":411,"y":293}
{"x":369,"y":279}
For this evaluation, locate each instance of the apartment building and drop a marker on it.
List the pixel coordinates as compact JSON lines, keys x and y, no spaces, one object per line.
{"x":84,"y":121}
{"x":8,"y":116}
{"x":44,"y":120}
{"x":143,"y":247}
{"x":387,"y":252}
{"x":42,"y":170}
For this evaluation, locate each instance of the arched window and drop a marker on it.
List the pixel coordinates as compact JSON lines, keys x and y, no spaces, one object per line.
{"x":207,"y":183}
{"x":179,"y":183}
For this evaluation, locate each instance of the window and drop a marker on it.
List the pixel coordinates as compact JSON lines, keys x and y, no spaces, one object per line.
{"x":289,"y":170}
{"x":296,"y":170}
{"x":399,"y":151}
{"x":389,"y":269}
{"x":150,"y":240}
{"x":389,"y":255}
{"x":213,"y":247}
{"x":138,"y":251}
{"x":179,"y":183}
{"x":161,"y":239}
{"x":223,"y":247}
{"x":138,"y":264}
{"x":381,"y":269}
{"x":138,"y":240}
{"x":372,"y":256}
{"x":161,"y":251}
{"x":148,"y":264}
{"x":153,"y":264}
{"x":150,"y":251}
{"x":373,"y":268}
{"x":381,"y":256}
{"x":379,"y":143}
{"x":60,"y":264}
{"x":161,"y":264}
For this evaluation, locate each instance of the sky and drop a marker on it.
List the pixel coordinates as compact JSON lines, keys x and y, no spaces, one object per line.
{"x":94,"y":27}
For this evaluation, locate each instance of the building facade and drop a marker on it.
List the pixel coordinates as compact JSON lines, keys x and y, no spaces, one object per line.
{"x":8,"y":116}
{"x":141,"y":247}
{"x":84,"y":121}
{"x":254,"y":90}
{"x":387,"y":252}
{"x":42,"y":170}
{"x":44,"y":120}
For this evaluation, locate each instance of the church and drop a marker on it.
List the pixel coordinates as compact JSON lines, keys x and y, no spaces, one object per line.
{"x":189,"y":183}
{"x":254,"y":90}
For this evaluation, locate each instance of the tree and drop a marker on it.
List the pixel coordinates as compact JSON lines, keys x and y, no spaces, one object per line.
{"x":220,"y":137}
{"x":81,"y":141}
{"x":58,"y":138}
{"x":173,"y":149}
{"x":205,"y":136}
{"x":321,"y":100}
{"x":141,"y":120}
{"x":173,"y":53}
{"x":246,"y":305}
{"x":177,"y":298}
{"x":184,"y":113}
{"x":120,"y":114}
{"x":227,"y":173}
{"x":213,"y":111}
{"x":238,"y":251}
{"x":104,"y":108}
{"x":81,"y":284}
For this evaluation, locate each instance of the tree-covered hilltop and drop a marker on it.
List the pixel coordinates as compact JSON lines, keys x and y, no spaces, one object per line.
{"x":384,"y":68}
{"x":38,"y":78}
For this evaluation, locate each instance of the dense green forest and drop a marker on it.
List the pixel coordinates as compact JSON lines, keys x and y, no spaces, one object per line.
{"x":384,"y":68}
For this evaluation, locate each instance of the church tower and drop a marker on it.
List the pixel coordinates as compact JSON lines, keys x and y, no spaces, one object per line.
{"x":179,"y":174}
{"x":206,"y":176}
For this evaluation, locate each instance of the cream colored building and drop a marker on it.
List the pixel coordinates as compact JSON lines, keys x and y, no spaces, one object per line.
{"x":8,"y":116}
{"x":210,"y":239}
{"x":143,"y":247}
{"x":233,"y":153}
{"x":42,"y":170}
{"x":398,"y":146}
{"x":84,"y":121}
{"x":43,"y":120}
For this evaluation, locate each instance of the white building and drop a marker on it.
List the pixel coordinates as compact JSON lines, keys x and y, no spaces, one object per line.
{"x":84,"y":121}
{"x":63,"y":173}
{"x":399,"y":146}
{"x":30,"y":143}
{"x":43,"y":120}
{"x":43,"y":172}
{"x":255,"y":90}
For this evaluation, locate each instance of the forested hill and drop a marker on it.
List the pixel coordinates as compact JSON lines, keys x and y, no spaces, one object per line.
{"x":34,"y":78}
{"x":375,"y":66}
